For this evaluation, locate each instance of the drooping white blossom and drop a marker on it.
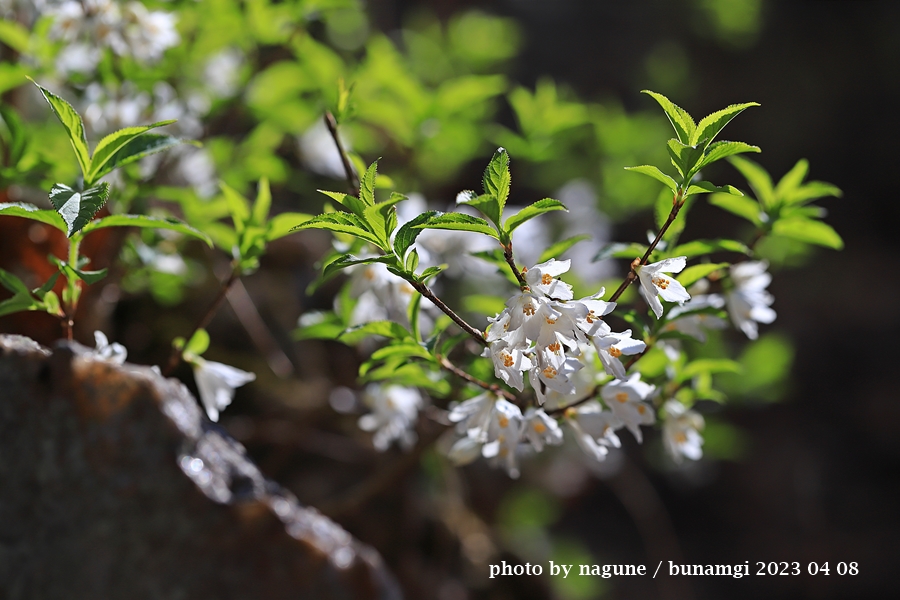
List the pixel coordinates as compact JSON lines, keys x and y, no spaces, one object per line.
{"x":216,"y":383}
{"x":655,"y":284}
{"x":544,"y":279}
{"x":503,"y":434}
{"x":540,"y":429}
{"x":594,"y":429}
{"x":509,"y":363}
{"x":611,"y":346}
{"x":681,"y":431}
{"x":748,"y":302}
{"x":687,"y":320}
{"x":625,"y":398}
{"x":393,"y":417}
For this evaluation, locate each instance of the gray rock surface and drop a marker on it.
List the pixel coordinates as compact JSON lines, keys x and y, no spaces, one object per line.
{"x":113,"y":484}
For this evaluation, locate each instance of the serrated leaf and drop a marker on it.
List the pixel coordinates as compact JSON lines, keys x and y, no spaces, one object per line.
{"x":684,"y":157}
{"x":409,"y":231}
{"x":30,"y":211}
{"x":679,"y":118}
{"x":367,"y":184}
{"x":758,"y":179}
{"x":695,"y":273}
{"x":263,"y":202}
{"x":705,"y":187}
{"x":809,"y":231}
{"x":73,"y":124}
{"x":740,"y":206}
{"x":348,"y":260}
{"x":710,"y":126}
{"x":556,"y":250}
{"x":486,"y":204}
{"x":430,"y":272}
{"x":111,"y":144}
{"x":282,"y":224}
{"x":531,"y":211}
{"x":703,"y":247}
{"x":136,"y":149}
{"x":78,"y":208}
{"x":381,"y":219}
{"x":722,"y":149}
{"x":656,"y":174}
{"x":342,"y":223}
{"x":459,"y":222}
{"x":497,"y":178}
{"x":352,"y":203}
{"x":147,"y":222}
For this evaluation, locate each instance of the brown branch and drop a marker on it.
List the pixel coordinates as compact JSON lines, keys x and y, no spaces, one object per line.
{"x":508,"y":255}
{"x":677,"y":203}
{"x":177,"y":353}
{"x":258,"y":331}
{"x":492,"y":387}
{"x":425,"y":291}
{"x":352,"y":180}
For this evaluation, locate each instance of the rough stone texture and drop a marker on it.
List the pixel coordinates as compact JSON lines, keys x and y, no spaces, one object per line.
{"x":114,"y":485}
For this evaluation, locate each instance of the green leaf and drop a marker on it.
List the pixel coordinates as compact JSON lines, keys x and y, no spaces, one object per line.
{"x":18,"y":303}
{"x":263,"y":202}
{"x":709,"y":365}
{"x":758,"y":179}
{"x":703,"y":247}
{"x":409,"y":231}
{"x":348,"y":260}
{"x":13,"y":283}
{"x":740,"y":206}
{"x":722,"y":149}
{"x":381,"y":219}
{"x":198,"y":344}
{"x":30,"y":211}
{"x":684,"y":157}
{"x":620,"y":250}
{"x":561,"y":246}
{"x":341,"y":223}
{"x":147,"y":222}
{"x":531,"y":211}
{"x":111,"y":144}
{"x":388,"y":329}
{"x":238,"y":206}
{"x":91,"y":277}
{"x":695,"y":273}
{"x":404,"y":350}
{"x":486,"y":203}
{"x":367,"y":184}
{"x":679,"y":118}
{"x":352,"y":203}
{"x":320,"y":325}
{"x":792,"y":179}
{"x":78,"y":208}
{"x":710,"y":126}
{"x":705,"y":187}
{"x":430,"y":272}
{"x":811,"y":191}
{"x":459,"y":222}
{"x":15,"y":36}
{"x":497,"y":179}
{"x":71,"y":120}
{"x":42,"y":291}
{"x":656,"y":174}
{"x":282,"y":224}
{"x":809,"y":231}
{"x":136,"y":149}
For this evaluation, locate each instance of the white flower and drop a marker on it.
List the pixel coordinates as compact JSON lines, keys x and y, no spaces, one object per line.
{"x":594,"y":429}
{"x":542,"y":278}
{"x":393,"y":417}
{"x":540,"y":429}
{"x":613,"y":345}
{"x":509,"y":362}
{"x":114,"y":353}
{"x":464,"y":451}
{"x":681,"y":431}
{"x":749,"y":302}
{"x":473,"y":416}
{"x":625,"y":399}
{"x":653,"y":283}
{"x":686,"y":320}
{"x":503,"y":432}
{"x":216,"y":383}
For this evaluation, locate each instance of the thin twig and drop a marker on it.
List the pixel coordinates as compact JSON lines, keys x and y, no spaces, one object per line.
{"x":258,"y":331}
{"x":492,"y":387}
{"x":352,"y":180}
{"x":425,"y":291}
{"x":177,"y":353}
{"x":677,"y":203}
{"x":508,"y":255}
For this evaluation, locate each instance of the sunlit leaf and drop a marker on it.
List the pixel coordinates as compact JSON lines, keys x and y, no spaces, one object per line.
{"x":78,"y":208}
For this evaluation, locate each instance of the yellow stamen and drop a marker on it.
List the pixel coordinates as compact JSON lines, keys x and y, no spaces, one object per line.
{"x":622,"y":397}
{"x":550,"y":372}
{"x":614,"y":352}
{"x":546,"y":279}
